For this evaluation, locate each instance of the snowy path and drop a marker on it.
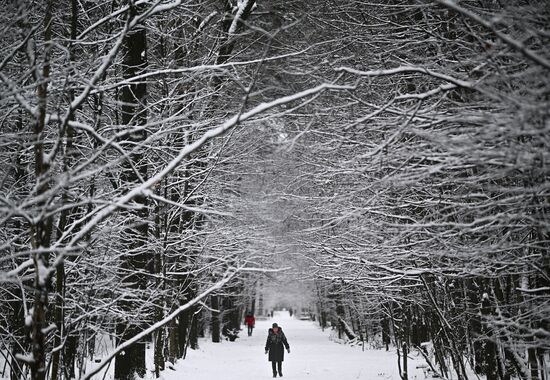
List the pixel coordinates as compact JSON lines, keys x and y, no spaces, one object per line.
{"x":312,"y":356}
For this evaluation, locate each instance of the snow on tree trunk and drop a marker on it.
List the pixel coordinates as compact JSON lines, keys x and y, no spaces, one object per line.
{"x":133,"y":99}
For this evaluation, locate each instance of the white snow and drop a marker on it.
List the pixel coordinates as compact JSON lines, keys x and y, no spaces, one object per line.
{"x":312,"y":356}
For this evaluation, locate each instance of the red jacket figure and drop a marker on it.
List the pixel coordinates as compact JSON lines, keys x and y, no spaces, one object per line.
{"x":249,"y":321}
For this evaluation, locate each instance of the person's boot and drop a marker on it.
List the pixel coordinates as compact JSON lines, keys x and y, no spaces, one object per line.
{"x":280,"y":374}
{"x":274,"y":374}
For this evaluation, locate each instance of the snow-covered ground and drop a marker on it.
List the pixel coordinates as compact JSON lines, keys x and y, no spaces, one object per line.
{"x":312,"y":356}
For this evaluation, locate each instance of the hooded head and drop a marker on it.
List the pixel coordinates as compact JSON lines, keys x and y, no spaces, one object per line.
{"x":275,"y":327}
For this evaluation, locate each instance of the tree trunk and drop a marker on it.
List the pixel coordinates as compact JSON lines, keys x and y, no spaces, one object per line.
{"x":489,"y":347}
{"x":59,"y":319}
{"x":173,"y":344}
{"x":405,"y":375}
{"x":215,"y":322}
{"x":17,"y":327}
{"x":533,"y":364}
{"x":42,"y":228}
{"x":194,"y":334}
{"x":159,"y":309}
{"x":69,"y":355}
{"x":386,"y":333}
{"x":183,"y":328}
{"x":133,"y":112}
{"x":63,"y":219}
{"x":260,"y":301}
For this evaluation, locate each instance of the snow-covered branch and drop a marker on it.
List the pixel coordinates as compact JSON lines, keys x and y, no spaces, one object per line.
{"x":515,"y":44}
{"x":408,"y":69}
{"x":218,"y":285}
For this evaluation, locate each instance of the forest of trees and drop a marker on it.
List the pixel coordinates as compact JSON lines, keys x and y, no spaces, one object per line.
{"x":161,"y":159}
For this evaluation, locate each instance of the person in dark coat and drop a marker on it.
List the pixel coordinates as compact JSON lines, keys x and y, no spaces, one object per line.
{"x":275,"y":345}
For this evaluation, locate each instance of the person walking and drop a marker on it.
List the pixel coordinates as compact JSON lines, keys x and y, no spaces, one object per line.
{"x":275,"y":345}
{"x":250,"y":321}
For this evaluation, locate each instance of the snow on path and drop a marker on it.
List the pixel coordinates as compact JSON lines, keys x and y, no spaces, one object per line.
{"x":312,"y":357}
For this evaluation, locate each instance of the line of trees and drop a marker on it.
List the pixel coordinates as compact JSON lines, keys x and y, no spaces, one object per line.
{"x":114,"y":231}
{"x":421,"y":197}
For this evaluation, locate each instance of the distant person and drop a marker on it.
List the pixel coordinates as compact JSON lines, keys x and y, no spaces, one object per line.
{"x":250,"y":321}
{"x":276,"y":339}
{"x":290,"y":311}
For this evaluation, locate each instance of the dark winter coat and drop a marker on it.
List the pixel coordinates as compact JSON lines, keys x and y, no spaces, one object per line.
{"x":276,"y":344}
